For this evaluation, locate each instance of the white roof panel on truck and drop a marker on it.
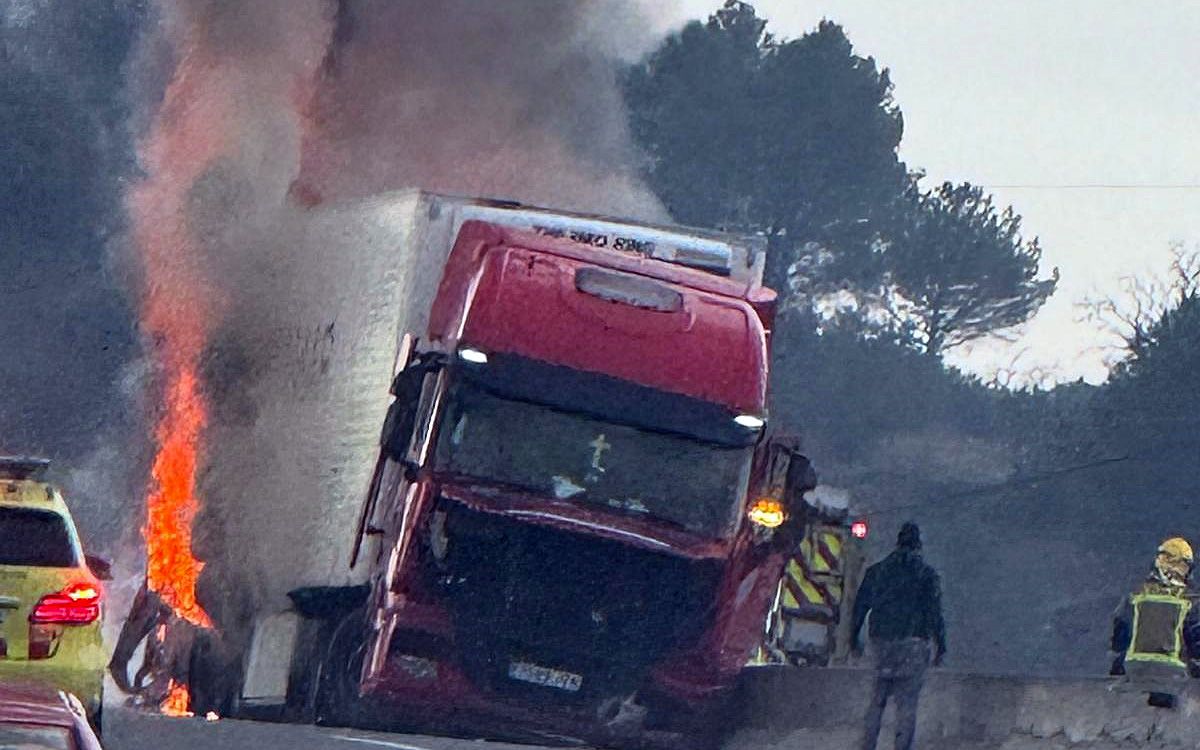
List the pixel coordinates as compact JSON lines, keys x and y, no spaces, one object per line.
{"x":737,"y":257}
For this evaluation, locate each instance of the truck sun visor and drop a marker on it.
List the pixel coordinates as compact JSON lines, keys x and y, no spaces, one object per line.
{"x":628,"y":289}
{"x":608,"y":398}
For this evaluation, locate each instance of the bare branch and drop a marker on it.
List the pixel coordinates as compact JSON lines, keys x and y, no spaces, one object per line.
{"x":1130,"y":318}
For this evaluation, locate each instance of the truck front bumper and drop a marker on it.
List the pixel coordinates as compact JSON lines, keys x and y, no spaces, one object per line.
{"x":439,"y":694}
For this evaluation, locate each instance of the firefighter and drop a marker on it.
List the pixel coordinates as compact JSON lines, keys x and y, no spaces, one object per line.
{"x":903,"y":595}
{"x":1156,"y":630}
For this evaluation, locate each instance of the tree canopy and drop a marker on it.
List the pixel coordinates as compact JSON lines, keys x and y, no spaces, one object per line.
{"x":795,"y":139}
{"x":1155,"y":390}
{"x":959,"y":269}
{"x":798,"y":140}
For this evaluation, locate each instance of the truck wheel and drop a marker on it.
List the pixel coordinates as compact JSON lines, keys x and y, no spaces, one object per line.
{"x":337,"y":701}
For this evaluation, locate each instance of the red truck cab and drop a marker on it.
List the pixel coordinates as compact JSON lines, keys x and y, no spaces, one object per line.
{"x":562,"y":504}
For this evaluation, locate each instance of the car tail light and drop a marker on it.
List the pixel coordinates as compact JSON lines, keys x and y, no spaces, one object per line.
{"x":77,"y":604}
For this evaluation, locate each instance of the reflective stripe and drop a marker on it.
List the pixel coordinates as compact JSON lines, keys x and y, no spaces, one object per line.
{"x":813,"y":593}
{"x":1182,"y":606}
{"x":788,"y":599}
{"x":812,"y":575}
{"x":801,"y":588}
{"x":832,"y":547}
{"x":822,"y":552}
{"x":806,"y":550}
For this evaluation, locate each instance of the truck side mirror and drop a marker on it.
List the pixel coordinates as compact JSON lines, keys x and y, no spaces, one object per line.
{"x":789,"y":474}
{"x":401,"y":416}
{"x":801,"y":478}
{"x":101,"y":567}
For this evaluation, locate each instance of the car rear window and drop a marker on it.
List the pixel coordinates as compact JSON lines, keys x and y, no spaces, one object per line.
{"x":35,"y":737}
{"x":35,"y":537}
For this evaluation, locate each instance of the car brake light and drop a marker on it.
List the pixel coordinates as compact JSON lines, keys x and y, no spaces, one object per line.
{"x":859,"y":529}
{"x":77,"y":604}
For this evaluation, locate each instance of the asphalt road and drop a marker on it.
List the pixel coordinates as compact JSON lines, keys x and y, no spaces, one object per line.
{"x":129,"y":730}
{"x":126,"y":729}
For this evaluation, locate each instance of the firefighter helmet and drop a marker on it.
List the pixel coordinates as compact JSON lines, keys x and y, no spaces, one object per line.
{"x":1176,"y":548}
{"x":1173,"y":563}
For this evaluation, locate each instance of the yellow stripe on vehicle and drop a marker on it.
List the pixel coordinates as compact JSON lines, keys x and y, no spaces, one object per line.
{"x":833,"y":542}
{"x":811,"y":593}
{"x":806,"y":548}
{"x":789,"y":599}
{"x":817,"y":563}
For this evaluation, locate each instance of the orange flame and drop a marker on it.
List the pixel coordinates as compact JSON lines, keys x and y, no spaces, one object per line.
{"x":176,"y":702}
{"x":171,"y":570}
{"x":209,"y":110}
{"x":177,"y":311}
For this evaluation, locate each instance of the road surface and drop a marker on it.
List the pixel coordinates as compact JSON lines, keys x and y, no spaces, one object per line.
{"x":126,"y":729}
{"x":129,"y":730}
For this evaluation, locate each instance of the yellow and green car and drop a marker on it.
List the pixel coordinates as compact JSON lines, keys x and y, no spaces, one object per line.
{"x":51,"y":599}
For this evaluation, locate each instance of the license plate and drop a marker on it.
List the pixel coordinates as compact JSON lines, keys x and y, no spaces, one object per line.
{"x":545,"y":676}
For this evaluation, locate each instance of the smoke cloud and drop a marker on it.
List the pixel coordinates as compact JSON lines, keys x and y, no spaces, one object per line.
{"x":273,"y":118}
{"x":514,"y":100}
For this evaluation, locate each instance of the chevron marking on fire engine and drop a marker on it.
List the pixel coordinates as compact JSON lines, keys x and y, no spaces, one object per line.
{"x":825,"y":555}
{"x":800,"y":586}
{"x":810,"y":574}
{"x":829,"y":547}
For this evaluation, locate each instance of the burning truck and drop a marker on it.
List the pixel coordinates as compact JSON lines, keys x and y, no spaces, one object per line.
{"x":536,"y":486}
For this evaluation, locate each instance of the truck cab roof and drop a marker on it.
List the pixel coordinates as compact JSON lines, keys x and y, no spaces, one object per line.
{"x":601,"y":310}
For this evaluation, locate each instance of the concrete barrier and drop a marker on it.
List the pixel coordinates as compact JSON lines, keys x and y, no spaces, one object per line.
{"x":962,"y":710}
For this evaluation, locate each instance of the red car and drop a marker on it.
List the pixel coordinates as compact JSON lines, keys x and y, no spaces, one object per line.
{"x":36,"y":718}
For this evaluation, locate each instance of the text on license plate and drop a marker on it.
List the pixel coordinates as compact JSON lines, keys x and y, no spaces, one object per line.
{"x":539,"y":675}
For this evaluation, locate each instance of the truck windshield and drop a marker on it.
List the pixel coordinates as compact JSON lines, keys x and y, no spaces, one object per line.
{"x":689,"y":483}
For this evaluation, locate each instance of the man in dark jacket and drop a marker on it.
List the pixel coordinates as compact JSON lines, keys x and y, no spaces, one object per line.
{"x":904,"y":598}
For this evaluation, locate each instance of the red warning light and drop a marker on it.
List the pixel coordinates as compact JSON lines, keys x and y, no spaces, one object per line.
{"x":859,"y":529}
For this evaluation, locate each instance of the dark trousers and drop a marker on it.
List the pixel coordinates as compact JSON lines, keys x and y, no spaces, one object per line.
{"x":899,"y":674}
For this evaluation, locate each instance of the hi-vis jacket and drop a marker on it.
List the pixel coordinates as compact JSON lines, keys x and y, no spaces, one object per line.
{"x":1158,"y":630}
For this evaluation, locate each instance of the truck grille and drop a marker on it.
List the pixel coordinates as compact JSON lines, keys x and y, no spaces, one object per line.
{"x":566,"y":601}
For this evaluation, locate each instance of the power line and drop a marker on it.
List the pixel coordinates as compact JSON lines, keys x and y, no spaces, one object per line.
{"x":1008,"y":484}
{"x":1097,"y":186}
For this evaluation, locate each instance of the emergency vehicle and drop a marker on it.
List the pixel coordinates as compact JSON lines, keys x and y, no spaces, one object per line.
{"x":809,"y":622}
{"x":51,"y":599}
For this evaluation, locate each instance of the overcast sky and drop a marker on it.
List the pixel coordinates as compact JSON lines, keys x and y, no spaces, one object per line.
{"x":1029,"y":96}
